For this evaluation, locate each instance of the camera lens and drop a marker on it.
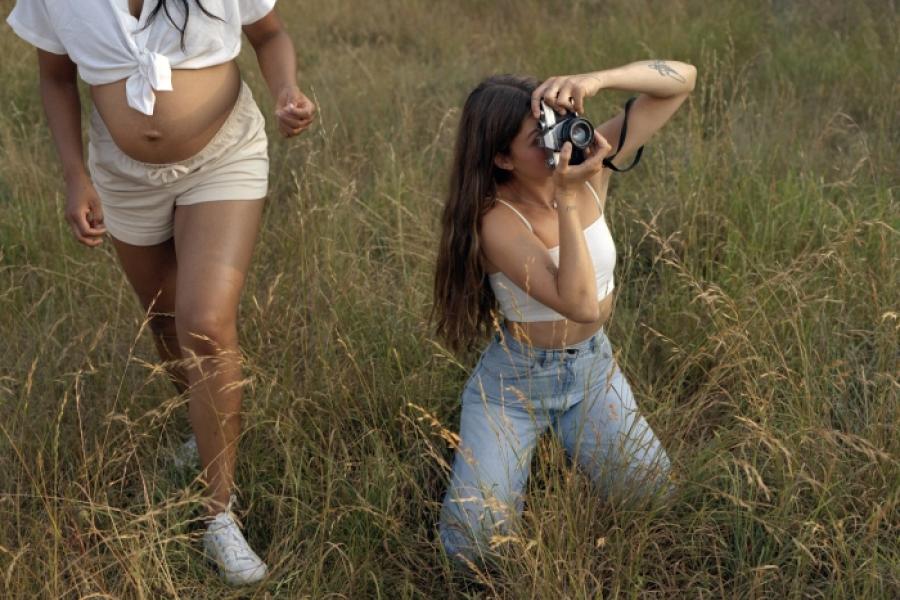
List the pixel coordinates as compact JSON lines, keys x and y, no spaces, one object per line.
{"x":581,"y":134}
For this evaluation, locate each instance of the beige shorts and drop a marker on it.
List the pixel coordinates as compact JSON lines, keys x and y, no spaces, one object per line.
{"x":139,"y":199}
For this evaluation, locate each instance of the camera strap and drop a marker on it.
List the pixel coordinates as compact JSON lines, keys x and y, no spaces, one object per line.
{"x":607,"y":162}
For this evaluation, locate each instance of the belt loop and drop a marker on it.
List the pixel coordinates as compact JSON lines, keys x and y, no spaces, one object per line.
{"x":545,"y":358}
{"x":594,"y":343}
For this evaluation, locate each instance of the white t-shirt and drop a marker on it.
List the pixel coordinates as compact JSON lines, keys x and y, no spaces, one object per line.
{"x":108,"y":44}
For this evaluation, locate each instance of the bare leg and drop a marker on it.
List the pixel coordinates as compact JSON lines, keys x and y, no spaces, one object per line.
{"x":214,"y":242}
{"x":151,"y":271}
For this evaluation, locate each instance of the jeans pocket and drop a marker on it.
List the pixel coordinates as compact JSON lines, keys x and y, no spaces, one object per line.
{"x":502,"y":376}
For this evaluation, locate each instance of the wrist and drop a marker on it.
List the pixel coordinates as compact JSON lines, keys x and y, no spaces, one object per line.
{"x":289,"y":87}
{"x":564,"y":198}
{"x":601,"y":78}
{"x":75,"y":175}
{"x":288,"y":93}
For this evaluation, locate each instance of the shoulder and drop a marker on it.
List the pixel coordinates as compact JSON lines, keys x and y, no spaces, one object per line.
{"x":500,"y":227}
{"x":501,"y":220}
{"x":33,"y":22}
{"x":252,"y":11}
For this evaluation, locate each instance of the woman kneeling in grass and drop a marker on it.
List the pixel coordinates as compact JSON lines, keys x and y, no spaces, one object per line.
{"x":531,"y":241}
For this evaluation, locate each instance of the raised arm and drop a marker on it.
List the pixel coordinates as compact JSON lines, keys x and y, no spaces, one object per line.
{"x":62,"y":106}
{"x":662,"y":87}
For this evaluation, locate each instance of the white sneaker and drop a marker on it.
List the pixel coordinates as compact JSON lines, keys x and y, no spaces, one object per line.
{"x":225,"y":545}
{"x":187,"y":454}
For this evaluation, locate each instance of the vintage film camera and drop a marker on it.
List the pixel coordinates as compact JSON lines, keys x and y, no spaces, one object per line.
{"x":557,"y":129}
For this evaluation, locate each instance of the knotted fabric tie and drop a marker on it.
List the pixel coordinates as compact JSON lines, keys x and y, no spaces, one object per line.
{"x":154,"y":73}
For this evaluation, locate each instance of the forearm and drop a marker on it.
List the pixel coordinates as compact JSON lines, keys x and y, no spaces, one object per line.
{"x":576,"y":282}
{"x":62,"y":107}
{"x":278,"y":62}
{"x":662,"y":79}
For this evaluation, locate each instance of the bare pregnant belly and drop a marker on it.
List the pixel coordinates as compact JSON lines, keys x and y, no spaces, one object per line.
{"x":183,"y":121}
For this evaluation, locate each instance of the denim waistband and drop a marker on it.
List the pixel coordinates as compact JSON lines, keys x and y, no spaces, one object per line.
{"x":544,"y":355}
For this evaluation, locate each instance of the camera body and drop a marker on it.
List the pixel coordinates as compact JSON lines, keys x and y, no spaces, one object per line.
{"x":557,"y":129}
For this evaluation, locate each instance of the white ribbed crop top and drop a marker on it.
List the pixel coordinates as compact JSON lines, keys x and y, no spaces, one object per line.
{"x":517,"y":305}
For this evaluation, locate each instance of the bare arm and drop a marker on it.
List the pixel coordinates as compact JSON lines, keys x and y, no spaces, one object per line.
{"x":658,"y":78}
{"x":575,"y":279}
{"x":277,"y":61}
{"x":62,"y":106}
{"x":571,"y":288}
{"x":662,"y":86}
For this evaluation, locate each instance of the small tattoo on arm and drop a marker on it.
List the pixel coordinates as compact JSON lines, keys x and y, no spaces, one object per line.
{"x":666,"y":71}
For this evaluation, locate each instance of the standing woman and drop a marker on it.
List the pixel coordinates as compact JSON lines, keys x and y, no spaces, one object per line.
{"x":532,"y":243}
{"x":177,"y":174}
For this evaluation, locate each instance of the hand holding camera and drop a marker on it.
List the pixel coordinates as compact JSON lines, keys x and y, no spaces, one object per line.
{"x":565,"y":93}
{"x":568,"y":176}
{"x":556,"y":130}
{"x":557,"y":103}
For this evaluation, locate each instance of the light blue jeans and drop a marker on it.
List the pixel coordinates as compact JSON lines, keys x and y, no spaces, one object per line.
{"x":517,"y":392}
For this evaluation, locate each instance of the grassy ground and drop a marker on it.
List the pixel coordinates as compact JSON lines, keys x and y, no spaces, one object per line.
{"x":757,"y":319}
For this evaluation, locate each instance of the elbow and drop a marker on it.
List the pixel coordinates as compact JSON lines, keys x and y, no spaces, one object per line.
{"x":580,"y":305}
{"x":585,"y":317}
{"x":691,"y":77}
{"x":584,"y":313}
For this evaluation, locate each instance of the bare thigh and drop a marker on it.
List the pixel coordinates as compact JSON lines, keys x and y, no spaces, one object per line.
{"x":151,"y":271}
{"x":214,"y":242}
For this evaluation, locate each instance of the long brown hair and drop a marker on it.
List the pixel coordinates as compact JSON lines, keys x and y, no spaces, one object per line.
{"x":490,"y":120}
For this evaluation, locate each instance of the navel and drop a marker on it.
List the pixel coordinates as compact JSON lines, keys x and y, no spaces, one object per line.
{"x":152,"y":135}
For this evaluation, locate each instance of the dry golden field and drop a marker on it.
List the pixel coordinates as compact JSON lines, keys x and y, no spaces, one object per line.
{"x":757,"y":319}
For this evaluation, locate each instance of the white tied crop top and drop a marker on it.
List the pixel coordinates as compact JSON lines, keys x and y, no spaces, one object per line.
{"x":108,"y":43}
{"x":517,"y":305}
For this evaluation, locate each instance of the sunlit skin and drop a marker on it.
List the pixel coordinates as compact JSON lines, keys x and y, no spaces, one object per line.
{"x":534,"y":188}
{"x":557,"y":203}
{"x":185,"y":119}
{"x":208,"y":258}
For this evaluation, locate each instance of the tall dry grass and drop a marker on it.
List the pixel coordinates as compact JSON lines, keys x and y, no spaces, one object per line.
{"x":757,"y":319}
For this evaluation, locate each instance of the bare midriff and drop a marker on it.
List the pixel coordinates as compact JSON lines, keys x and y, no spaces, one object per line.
{"x":559,"y":334}
{"x":183,"y":121}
